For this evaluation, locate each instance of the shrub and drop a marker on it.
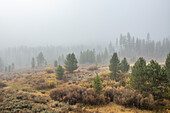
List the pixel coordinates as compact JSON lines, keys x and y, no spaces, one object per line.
{"x":109,"y":93}
{"x":58,"y":93}
{"x":48,"y":70}
{"x":92,"y":68}
{"x":51,"y":84}
{"x":2,"y":85}
{"x":74,"y":95}
{"x":41,"y":86}
{"x":89,"y":97}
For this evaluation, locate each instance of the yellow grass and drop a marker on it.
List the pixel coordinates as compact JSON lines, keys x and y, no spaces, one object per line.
{"x":114,"y":108}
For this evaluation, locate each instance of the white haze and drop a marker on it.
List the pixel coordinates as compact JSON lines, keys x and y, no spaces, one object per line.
{"x":75,"y":22}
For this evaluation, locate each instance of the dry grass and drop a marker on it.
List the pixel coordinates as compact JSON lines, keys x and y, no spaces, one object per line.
{"x":114,"y":108}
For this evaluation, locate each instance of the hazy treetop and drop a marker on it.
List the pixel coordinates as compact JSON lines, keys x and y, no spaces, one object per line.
{"x":69,"y":22}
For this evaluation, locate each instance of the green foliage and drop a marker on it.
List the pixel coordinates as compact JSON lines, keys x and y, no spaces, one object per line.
{"x":55,"y":63}
{"x":33,"y":63}
{"x":167,"y":66}
{"x":114,"y":66}
{"x":59,"y":72}
{"x":150,"y":79}
{"x":71,"y":63}
{"x":97,"y":85}
{"x":87,"y":57}
{"x":138,"y":76}
{"x":157,"y":80}
{"x":40,"y":59}
{"x":124,"y":66}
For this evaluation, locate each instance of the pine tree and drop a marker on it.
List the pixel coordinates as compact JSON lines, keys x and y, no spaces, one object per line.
{"x":124,"y":66}
{"x":167,"y":66}
{"x":71,"y":63}
{"x":6,"y":69}
{"x":13,"y":66}
{"x":138,"y":76}
{"x":55,"y":63}
{"x":98,"y":58}
{"x":157,"y":81}
{"x":1,"y":65}
{"x":97,"y":85}
{"x":9,"y":68}
{"x":33,"y":63}
{"x":59,"y":72}
{"x":40,"y":59}
{"x":114,"y":66}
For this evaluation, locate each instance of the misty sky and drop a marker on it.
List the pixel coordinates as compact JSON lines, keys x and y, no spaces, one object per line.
{"x":69,"y":22}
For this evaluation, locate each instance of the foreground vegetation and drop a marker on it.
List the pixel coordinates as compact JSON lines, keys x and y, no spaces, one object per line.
{"x":91,"y":89}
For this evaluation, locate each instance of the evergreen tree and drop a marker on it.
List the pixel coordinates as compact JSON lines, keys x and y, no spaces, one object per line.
{"x":167,"y":66}
{"x":138,"y":76}
{"x":1,"y":65}
{"x":55,"y":63}
{"x":106,"y":55}
{"x":114,"y":66}
{"x":9,"y":68}
{"x":40,"y":59}
{"x":98,"y":58}
{"x":6,"y":69}
{"x":59,"y":72}
{"x":33,"y":63}
{"x":87,"y":57}
{"x":97,"y":85}
{"x":13,"y":66}
{"x":157,"y":81}
{"x":124,"y":66}
{"x":71,"y":63}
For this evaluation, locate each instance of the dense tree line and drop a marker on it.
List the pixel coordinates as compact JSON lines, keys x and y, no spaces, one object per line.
{"x":126,"y":46}
{"x":87,"y":57}
{"x":132,"y":47}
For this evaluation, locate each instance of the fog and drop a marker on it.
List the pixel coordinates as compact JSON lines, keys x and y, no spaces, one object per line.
{"x":75,"y":22}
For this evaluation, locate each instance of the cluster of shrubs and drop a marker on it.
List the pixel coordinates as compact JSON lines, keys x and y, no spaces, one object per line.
{"x":46,"y":85}
{"x":2,"y":85}
{"x":130,"y":98}
{"x":123,"y":96}
{"x":76,"y":94}
{"x":49,"y":70}
{"x":92,"y":68}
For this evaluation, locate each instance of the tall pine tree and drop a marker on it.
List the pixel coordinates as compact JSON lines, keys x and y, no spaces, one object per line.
{"x":138,"y":76}
{"x":59,"y":72}
{"x":114,"y":66}
{"x":124,"y":66}
{"x":71,"y":63}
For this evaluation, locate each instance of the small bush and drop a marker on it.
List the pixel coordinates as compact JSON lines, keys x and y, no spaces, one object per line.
{"x":89,"y":97}
{"x":58,"y":93}
{"x":109,"y":93}
{"x":42,"y":86}
{"x":2,"y":85}
{"x":92,"y":68}
{"x":51,"y":84}
{"x":49,"y":70}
